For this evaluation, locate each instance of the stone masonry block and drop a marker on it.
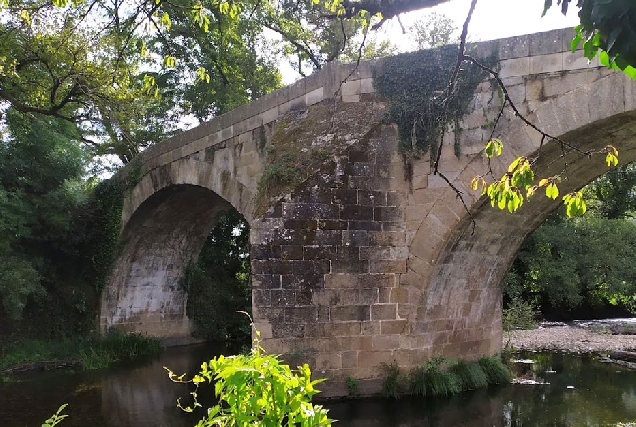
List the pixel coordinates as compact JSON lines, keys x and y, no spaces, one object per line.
{"x":383,"y":312}
{"x":350,"y":87}
{"x":515,"y":67}
{"x":366,"y":86}
{"x":340,"y":281}
{"x":545,"y":43}
{"x":546,"y":63}
{"x":374,"y":359}
{"x":315,"y":96}
{"x":349,"y":313}
{"x":360,"y":266}
{"x":389,"y":327}
{"x":385,"y":266}
{"x":351,"y":98}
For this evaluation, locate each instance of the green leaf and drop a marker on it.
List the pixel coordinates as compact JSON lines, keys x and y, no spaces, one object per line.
{"x":630,"y":71}
{"x":552,"y":191}
{"x":611,"y":160}
{"x":493,"y":148}
{"x":604,"y":58}
{"x":574,"y":44}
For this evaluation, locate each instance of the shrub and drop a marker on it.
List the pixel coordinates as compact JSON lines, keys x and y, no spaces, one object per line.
{"x":257,"y":390}
{"x":352,"y":385}
{"x":519,"y":315}
{"x":441,"y":382}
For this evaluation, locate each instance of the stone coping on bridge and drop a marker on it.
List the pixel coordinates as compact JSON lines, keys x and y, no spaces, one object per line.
{"x":519,"y":56}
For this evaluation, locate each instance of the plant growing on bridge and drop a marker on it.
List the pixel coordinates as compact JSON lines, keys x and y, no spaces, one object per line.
{"x":257,"y":390}
{"x":414,"y":84}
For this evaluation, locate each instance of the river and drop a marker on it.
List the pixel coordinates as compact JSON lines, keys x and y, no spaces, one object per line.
{"x":581,"y":392}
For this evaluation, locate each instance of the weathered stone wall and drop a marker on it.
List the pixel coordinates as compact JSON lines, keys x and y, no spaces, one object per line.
{"x":358,"y":265}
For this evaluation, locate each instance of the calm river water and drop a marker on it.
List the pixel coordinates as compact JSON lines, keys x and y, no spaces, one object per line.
{"x":581,"y":392}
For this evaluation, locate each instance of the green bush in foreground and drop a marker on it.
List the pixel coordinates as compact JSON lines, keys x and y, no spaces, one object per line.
{"x":257,"y":390}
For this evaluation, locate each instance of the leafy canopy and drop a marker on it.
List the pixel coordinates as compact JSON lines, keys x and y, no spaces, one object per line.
{"x":607,"y":29}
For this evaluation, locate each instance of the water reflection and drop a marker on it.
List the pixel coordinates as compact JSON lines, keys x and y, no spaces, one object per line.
{"x":143,"y":396}
{"x":477,"y":409}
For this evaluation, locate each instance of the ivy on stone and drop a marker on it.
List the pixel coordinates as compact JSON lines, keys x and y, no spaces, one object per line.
{"x":415,"y":85}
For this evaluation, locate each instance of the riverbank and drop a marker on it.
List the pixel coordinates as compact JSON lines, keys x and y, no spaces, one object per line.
{"x":568,"y":338}
{"x":88,"y":353}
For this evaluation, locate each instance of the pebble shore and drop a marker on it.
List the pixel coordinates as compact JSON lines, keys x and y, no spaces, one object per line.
{"x":570,"y":339}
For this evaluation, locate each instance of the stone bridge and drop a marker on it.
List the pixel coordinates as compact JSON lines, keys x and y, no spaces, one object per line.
{"x":358,"y":264}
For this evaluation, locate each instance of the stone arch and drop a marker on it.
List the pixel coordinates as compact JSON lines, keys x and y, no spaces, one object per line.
{"x":463,"y":292}
{"x":166,"y":219}
{"x":192,"y":172}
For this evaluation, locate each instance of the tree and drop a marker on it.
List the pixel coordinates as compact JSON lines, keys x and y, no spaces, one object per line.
{"x":612,"y":195}
{"x":434,"y":31}
{"x":607,"y":28}
{"x":40,"y":160}
{"x":219,"y":283}
{"x":566,"y":264}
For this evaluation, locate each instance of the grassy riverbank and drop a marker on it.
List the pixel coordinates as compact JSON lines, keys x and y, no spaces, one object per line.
{"x":86,"y":353}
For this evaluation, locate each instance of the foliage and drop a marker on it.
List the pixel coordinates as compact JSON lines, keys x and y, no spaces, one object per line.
{"x":612,"y":195}
{"x":607,"y":30}
{"x":39,"y":166}
{"x":257,"y":390}
{"x":56,"y":418}
{"x":518,"y":183}
{"x":92,"y":352}
{"x":415,"y":85}
{"x":496,"y":372}
{"x":434,"y":31}
{"x":443,"y":377}
{"x":352,"y":385}
{"x":471,"y":376}
{"x":315,"y":33}
{"x":391,"y":384}
{"x":232,"y":60}
{"x":118,"y":347}
{"x":218,"y":284}
{"x":519,"y":314}
{"x":433,"y":381}
{"x":567,"y":263}
{"x":371,"y":49}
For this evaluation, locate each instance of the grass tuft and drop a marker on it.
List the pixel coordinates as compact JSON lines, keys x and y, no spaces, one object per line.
{"x":470,"y":374}
{"x":496,"y":372}
{"x":391,"y":386}
{"x":441,"y":382}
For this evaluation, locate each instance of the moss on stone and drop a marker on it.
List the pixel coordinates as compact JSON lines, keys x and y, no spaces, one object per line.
{"x":303,"y":141}
{"x":415,"y":85}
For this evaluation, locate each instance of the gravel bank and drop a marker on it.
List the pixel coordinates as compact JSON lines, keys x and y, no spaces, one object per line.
{"x":570,"y":339}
